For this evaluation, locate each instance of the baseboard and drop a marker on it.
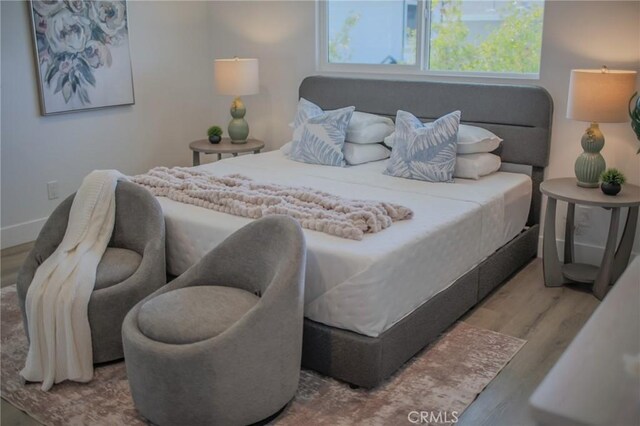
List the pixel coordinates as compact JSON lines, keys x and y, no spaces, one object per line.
{"x":21,"y":233}
{"x":586,"y":253}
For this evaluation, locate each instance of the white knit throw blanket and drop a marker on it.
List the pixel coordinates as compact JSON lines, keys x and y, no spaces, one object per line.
{"x":58,"y":297}
{"x":240,"y":196}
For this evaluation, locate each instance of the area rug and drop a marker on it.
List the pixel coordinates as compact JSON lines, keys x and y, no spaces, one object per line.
{"x":439,"y":383}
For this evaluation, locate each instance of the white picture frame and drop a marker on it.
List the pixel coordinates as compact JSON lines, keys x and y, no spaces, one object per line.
{"x":82,"y":54}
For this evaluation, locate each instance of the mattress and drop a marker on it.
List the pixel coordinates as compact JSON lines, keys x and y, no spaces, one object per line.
{"x":367,"y":286}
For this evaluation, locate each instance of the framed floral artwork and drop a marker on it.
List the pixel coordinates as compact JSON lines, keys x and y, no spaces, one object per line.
{"x":82,"y":54}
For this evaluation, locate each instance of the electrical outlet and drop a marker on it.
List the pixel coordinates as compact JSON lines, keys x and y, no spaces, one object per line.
{"x":52,"y":189}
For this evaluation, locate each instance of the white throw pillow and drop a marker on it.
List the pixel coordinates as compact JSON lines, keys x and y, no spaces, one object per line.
{"x":471,"y":140}
{"x":360,"y":120}
{"x":365,"y":128}
{"x":358,"y":154}
{"x":474,"y":166}
{"x":371,"y":134}
{"x":286,"y":148}
{"x":390,"y":140}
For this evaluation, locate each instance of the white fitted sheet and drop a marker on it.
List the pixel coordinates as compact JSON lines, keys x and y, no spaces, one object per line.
{"x":367,"y":286}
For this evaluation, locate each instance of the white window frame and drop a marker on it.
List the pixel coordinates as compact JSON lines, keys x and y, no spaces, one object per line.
{"x":420,"y":68}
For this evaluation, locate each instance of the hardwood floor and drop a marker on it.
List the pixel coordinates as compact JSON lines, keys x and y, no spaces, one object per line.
{"x":10,"y":261}
{"x":548,"y":318}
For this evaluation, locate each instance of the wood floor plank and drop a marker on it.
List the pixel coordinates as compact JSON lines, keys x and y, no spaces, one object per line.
{"x":549,"y":319}
{"x":10,"y":260}
{"x":11,"y":416}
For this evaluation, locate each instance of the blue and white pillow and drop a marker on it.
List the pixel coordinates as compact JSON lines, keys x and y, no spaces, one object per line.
{"x":306,"y":109}
{"x":424,"y":151}
{"x":319,"y":138}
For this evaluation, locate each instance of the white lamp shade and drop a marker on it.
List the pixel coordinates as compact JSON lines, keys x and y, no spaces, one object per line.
{"x":600,"y":96}
{"x":236,"y":77}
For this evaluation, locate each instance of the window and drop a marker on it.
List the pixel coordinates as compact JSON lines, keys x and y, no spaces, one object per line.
{"x":497,"y":37}
{"x":372,"y":32}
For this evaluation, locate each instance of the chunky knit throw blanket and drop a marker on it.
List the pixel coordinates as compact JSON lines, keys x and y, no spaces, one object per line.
{"x":239,"y":195}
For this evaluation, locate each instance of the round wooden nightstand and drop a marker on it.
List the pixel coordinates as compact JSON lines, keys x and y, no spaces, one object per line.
{"x":614,"y":261}
{"x":224,"y":147}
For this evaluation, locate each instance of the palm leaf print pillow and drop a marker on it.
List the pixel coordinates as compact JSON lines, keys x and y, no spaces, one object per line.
{"x":424,"y":151}
{"x":319,"y":135}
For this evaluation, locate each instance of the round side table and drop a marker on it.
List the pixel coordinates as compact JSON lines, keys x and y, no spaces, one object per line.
{"x":614,"y":261}
{"x":224,"y":147}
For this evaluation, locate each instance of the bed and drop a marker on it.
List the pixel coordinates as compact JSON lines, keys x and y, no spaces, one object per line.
{"x":370,"y":305}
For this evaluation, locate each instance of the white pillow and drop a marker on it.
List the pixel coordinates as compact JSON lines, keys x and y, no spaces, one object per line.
{"x":474,"y":166}
{"x":364,"y":119}
{"x":286,"y":148}
{"x":354,"y":153}
{"x":372,"y":134}
{"x":358,"y":154}
{"x":358,"y":120}
{"x":390,"y":140}
{"x":365,"y":128}
{"x":471,"y":140}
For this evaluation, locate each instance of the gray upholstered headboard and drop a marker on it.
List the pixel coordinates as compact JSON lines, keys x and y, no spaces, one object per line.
{"x":521,"y":115}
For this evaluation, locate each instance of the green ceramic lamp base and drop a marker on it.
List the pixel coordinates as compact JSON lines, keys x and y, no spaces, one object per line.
{"x":590,"y":164}
{"x":238,"y":127}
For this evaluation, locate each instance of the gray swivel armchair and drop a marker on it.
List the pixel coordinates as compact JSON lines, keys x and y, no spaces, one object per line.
{"x":132,"y":267}
{"x":221,"y":344}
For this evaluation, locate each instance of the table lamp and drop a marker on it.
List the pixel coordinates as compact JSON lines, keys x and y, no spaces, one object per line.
{"x":237,"y":77}
{"x":597,"y":96}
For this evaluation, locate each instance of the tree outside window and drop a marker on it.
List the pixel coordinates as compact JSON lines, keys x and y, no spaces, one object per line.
{"x":468,"y":36}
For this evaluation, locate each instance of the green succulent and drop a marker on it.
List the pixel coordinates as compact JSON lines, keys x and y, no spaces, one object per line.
{"x":614,"y":176}
{"x":214,"y":131}
{"x":634,"y":113}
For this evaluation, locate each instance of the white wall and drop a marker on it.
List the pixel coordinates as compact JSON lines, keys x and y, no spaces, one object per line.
{"x":577,"y":34}
{"x":173,"y":89}
{"x":282,"y":35}
{"x":587,"y":35}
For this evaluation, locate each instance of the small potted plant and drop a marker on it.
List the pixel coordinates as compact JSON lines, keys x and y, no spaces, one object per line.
{"x":215,"y":134}
{"x":612,"y":180}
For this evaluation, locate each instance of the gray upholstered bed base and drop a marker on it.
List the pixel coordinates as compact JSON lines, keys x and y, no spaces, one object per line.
{"x":367,"y":361}
{"x":522,"y":116}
